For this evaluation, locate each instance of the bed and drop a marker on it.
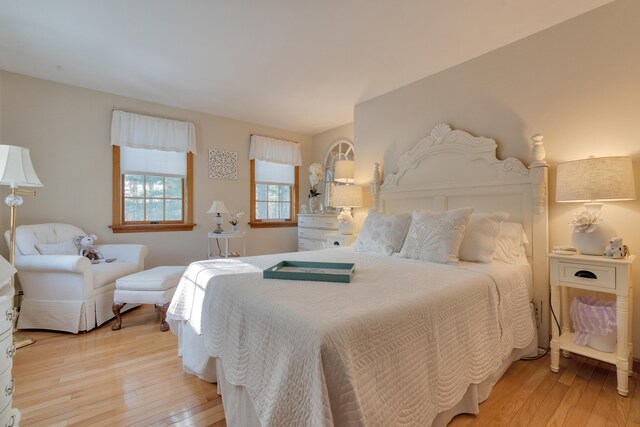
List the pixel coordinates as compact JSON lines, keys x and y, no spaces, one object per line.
{"x":407,"y":342}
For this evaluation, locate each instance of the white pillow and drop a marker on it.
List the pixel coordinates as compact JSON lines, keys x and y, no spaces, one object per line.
{"x":479,"y":241}
{"x":63,"y":248}
{"x":510,"y":242}
{"x":436,"y":236}
{"x":382,"y":234}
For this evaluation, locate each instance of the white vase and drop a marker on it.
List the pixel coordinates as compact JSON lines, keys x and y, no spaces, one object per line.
{"x":314,"y":205}
{"x":347,"y":227}
{"x":234,"y":228}
{"x":593,"y":243}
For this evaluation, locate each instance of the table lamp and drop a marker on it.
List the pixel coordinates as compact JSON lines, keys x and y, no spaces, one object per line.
{"x":594,"y":180}
{"x":218,"y":208}
{"x":17,"y":171}
{"x":347,"y":197}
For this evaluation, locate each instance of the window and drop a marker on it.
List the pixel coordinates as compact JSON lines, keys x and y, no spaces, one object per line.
{"x":152,"y":188}
{"x":274,"y":182}
{"x":151,"y":201}
{"x":273,"y":196}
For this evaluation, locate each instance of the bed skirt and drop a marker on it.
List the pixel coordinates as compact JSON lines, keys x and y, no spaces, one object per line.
{"x":239,"y":410}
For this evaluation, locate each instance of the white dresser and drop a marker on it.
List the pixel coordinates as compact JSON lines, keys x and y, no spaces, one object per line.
{"x":313,"y":230}
{"x":8,"y":416}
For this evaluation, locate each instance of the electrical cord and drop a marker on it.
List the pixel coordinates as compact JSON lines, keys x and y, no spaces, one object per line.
{"x":219,"y":248}
{"x":540,"y":356}
{"x":546,"y":351}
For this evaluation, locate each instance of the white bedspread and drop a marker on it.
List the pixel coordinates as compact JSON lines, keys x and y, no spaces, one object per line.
{"x":396,"y":346}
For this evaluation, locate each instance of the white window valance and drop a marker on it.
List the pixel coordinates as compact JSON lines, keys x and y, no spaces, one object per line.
{"x":152,"y":133}
{"x":275,"y":150}
{"x":274,"y":173}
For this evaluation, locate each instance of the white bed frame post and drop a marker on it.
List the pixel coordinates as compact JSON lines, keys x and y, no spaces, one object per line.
{"x":540,"y":236}
{"x":451,"y":168}
{"x":375,"y":186}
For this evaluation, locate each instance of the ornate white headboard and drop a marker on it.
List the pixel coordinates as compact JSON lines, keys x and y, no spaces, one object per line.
{"x":451,"y":169}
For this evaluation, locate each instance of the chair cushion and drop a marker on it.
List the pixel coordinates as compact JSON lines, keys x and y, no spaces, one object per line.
{"x":105,"y":273}
{"x":155,"y":279}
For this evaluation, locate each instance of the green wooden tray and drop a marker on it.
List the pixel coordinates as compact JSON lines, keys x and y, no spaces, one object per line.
{"x":307,"y":270}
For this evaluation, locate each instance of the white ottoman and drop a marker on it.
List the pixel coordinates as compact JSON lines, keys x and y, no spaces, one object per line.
{"x":154,"y":286}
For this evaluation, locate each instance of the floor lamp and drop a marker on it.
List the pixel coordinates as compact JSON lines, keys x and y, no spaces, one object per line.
{"x":17,"y":171}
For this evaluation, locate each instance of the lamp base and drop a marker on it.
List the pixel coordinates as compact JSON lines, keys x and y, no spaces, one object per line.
{"x":348,"y":227}
{"x":20,"y":341}
{"x":218,"y":230}
{"x":593,"y":243}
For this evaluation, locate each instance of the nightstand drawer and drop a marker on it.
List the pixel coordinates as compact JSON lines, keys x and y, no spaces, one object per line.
{"x":587,"y":275}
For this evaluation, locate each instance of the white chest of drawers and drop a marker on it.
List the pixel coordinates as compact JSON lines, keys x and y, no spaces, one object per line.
{"x":313,"y":230}
{"x":8,"y":416}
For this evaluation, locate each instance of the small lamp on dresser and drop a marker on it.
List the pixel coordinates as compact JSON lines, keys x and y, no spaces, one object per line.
{"x":347,"y":197}
{"x":594,"y":180}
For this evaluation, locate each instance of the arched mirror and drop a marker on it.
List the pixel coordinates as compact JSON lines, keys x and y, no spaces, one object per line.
{"x":341,"y":149}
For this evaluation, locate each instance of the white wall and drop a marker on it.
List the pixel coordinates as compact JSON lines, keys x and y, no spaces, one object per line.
{"x":577,"y":83}
{"x":68,"y":128}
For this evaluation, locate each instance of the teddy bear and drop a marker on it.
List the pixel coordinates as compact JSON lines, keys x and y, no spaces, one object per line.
{"x":615,"y":248}
{"x":85,"y":247}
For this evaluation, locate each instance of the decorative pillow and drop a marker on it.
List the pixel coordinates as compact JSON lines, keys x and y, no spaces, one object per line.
{"x":382,"y":234}
{"x":63,"y":248}
{"x":436,"y":236}
{"x":510,"y":242}
{"x":479,"y":242}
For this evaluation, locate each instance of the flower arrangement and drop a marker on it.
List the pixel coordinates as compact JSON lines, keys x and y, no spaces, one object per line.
{"x":585,"y":221}
{"x":235,"y":218}
{"x":344,"y":217}
{"x":316,"y":173}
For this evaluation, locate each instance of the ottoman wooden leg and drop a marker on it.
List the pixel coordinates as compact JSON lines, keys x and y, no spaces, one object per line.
{"x":116,"y":307}
{"x":162,"y":309}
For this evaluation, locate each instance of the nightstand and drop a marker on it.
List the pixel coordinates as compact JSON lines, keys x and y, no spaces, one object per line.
{"x":600,"y":274}
{"x":335,"y":240}
{"x":225,"y":236}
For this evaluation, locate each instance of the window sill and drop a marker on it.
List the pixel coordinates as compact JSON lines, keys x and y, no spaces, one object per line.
{"x":150,"y":228}
{"x":273,"y":224}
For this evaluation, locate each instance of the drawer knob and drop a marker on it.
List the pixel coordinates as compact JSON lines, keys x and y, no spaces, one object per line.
{"x":11,"y":421}
{"x":11,"y":351}
{"x":585,"y":274}
{"x":9,"y":388}
{"x":336,"y":243}
{"x":10,"y":314}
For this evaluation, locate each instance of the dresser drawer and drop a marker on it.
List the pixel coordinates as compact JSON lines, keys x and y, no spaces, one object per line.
{"x":588,"y":275}
{"x":329,"y":222}
{"x":312,"y":233}
{"x":7,"y":387}
{"x":9,"y":417}
{"x":311,"y":244}
{"x":7,"y":351}
{"x":6,"y":314}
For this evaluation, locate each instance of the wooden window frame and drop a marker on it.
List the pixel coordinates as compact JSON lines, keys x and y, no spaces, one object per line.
{"x":118,"y":203}
{"x":256,"y":223}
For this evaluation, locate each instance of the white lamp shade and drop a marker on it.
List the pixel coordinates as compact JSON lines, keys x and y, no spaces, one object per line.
{"x":347,"y":196}
{"x":344,"y":171}
{"x":16,"y":168}
{"x":595,"y":178}
{"x":218,"y":207}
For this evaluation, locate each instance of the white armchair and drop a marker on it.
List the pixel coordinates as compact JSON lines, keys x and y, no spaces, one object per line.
{"x":68,"y":292}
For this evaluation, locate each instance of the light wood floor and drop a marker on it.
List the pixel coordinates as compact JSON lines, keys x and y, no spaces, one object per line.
{"x":133,"y":377}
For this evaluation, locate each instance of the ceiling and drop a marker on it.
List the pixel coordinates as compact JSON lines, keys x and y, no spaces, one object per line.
{"x":299,"y":65}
